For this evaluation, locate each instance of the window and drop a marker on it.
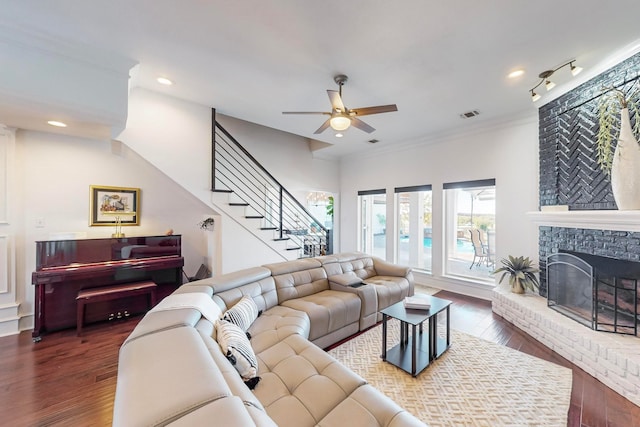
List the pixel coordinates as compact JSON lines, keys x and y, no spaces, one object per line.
{"x":470,"y":229}
{"x":414,"y":226}
{"x":320,"y":206}
{"x":372,"y":205}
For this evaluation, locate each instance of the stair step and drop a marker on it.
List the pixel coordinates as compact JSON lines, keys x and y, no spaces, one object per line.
{"x":294,"y":248}
{"x":268,"y":228}
{"x":238,"y":204}
{"x":278,"y":239}
{"x":254,"y":217}
{"x":222,"y":191}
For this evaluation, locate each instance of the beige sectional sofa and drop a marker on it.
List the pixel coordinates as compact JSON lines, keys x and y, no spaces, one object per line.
{"x":173,"y":371}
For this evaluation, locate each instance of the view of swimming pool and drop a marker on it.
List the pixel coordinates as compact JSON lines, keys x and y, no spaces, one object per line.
{"x":464,"y":246}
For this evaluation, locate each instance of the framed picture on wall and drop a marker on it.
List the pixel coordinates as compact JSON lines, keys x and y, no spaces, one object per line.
{"x":114,"y":206}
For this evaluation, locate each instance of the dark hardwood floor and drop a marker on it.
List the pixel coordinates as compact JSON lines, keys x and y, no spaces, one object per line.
{"x":69,"y":381}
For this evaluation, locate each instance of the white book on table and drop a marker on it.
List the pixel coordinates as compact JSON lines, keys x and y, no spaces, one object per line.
{"x":417,"y":302}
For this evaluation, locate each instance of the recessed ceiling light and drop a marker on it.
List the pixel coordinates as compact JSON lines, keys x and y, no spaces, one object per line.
{"x":57,"y":123}
{"x":339,"y":135}
{"x":164,"y":81}
{"x":515,"y":73}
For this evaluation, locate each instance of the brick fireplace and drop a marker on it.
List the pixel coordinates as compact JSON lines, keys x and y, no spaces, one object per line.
{"x":614,"y":359}
{"x":585,"y":220}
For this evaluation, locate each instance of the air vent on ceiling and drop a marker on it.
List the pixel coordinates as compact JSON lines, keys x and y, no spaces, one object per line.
{"x":469,"y":114}
{"x":373,"y":141}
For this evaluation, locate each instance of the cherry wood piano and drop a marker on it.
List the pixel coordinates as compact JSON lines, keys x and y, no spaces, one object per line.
{"x":65,"y":267}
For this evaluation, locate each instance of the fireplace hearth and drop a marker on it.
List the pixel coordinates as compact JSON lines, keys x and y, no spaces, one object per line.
{"x":597,"y":291}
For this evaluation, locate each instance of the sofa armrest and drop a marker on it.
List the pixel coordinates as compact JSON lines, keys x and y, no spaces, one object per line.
{"x":368,"y":300}
{"x":346,"y":279}
{"x":384,"y":268}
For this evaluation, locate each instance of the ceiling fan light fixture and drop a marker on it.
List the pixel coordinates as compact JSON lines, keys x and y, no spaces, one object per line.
{"x":340,"y":123}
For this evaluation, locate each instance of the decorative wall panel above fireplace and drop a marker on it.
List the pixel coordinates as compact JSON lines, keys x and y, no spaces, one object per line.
{"x":568,"y":125}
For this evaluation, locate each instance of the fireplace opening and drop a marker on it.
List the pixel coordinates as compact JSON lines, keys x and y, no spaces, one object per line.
{"x":599,"y":292}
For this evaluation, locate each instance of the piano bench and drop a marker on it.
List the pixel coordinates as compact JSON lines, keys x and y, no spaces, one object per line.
{"x":110,"y":293}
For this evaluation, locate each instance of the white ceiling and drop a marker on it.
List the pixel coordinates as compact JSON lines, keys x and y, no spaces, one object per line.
{"x":253,"y":59}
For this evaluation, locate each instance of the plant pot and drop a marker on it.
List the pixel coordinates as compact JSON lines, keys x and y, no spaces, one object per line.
{"x":625,"y":168}
{"x":517,"y":287}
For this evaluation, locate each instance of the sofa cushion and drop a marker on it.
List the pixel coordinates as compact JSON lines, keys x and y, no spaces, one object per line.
{"x":368,"y":407}
{"x":301,"y":383}
{"x":276,"y":324}
{"x":328,"y":311}
{"x":299,"y":278}
{"x":164,"y":375}
{"x":227,"y":412}
{"x":236,"y":346}
{"x":234,"y":381}
{"x":243,"y":313}
{"x":390,"y":289}
{"x":229,"y":288}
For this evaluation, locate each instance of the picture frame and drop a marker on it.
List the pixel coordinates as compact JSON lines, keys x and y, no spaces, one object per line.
{"x":114,"y":206}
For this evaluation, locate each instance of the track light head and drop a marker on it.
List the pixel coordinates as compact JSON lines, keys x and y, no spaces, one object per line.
{"x":574,"y":70}
{"x":534,"y":96}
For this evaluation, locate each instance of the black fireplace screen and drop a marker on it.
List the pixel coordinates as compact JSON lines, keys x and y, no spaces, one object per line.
{"x":599,"y":292}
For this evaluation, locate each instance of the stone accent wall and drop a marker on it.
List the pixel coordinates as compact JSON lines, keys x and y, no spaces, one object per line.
{"x":568,"y":125}
{"x":624,"y":245}
{"x":569,"y":172}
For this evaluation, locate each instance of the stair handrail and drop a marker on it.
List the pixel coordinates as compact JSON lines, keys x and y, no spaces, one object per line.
{"x":282,"y":191}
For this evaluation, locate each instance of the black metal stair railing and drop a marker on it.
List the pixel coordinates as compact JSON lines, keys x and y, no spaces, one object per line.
{"x":236,"y":171}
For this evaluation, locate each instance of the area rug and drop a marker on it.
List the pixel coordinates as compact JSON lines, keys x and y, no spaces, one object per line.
{"x":474,"y":383}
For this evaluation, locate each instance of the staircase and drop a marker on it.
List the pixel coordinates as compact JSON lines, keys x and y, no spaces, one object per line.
{"x":244,"y":190}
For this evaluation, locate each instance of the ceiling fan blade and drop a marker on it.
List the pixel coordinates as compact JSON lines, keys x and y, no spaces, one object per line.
{"x":336,"y":100}
{"x":374,"y":110}
{"x":356,"y":122}
{"x":322,"y":128}
{"x":306,"y":112}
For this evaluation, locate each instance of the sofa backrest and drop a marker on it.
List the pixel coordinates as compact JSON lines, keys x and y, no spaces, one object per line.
{"x":298,"y":278}
{"x":229,"y":288}
{"x":357,"y":262}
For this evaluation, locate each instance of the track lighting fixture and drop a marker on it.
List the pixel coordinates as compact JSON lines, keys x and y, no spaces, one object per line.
{"x":545,"y":77}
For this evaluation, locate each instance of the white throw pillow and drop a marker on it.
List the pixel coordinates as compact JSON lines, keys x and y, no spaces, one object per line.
{"x":243,"y":313}
{"x":237,"y":348}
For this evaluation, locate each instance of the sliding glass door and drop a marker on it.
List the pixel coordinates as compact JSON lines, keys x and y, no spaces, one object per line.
{"x":372,"y":222}
{"x":414,"y":226}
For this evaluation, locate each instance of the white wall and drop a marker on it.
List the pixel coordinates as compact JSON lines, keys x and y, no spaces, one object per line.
{"x":53,"y":174}
{"x":507,"y":152}
{"x":286,"y":156}
{"x":175,"y":136}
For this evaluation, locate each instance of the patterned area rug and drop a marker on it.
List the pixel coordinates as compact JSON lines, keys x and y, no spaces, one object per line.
{"x":474,"y":383}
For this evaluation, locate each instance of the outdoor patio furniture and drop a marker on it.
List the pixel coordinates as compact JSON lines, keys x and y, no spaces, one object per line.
{"x":480,"y":252}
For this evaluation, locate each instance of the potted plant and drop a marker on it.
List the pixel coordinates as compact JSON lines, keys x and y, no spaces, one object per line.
{"x":522,"y":274}
{"x":621,"y":164}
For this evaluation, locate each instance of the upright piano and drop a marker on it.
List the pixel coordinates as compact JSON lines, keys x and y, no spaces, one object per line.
{"x":64,"y":267}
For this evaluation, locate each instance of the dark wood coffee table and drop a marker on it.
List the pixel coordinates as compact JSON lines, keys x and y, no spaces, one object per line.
{"x":414,"y":355}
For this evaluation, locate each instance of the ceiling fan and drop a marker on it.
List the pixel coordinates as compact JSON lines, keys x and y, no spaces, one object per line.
{"x":342,"y":117}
